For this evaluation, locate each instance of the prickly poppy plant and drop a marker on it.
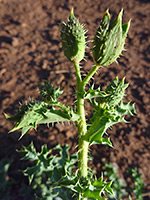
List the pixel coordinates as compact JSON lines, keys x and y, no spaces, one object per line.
{"x":52,"y":176}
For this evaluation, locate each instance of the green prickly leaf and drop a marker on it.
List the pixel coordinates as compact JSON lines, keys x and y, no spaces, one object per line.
{"x":125,"y":108}
{"x":48,"y":92}
{"x":54,"y":115}
{"x":94,"y":194}
{"x":98,"y":182}
{"x":105,"y":141}
{"x":112,"y":96}
{"x":99,"y":127}
{"x":36,"y":112}
{"x":73,"y":39}
{"x":108,"y":188}
{"x":56,"y":174}
{"x":28,"y":115}
{"x":125,"y":29}
{"x":31,"y":171}
{"x":96,"y":188}
{"x":43,"y":162}
{"x":24,"y":131}
{"x":29,"y":152}
{"x":104,"y":119}
{"x":53,"y":172}
{"x":91,"y":93}
{"x":115,"y":92}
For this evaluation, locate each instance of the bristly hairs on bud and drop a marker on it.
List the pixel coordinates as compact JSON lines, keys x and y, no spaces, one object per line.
{"x":73,"y":39}
{"x":109,"y":39}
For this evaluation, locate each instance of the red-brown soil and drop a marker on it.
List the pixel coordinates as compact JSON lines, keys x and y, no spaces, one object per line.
{"x":30,"y":51}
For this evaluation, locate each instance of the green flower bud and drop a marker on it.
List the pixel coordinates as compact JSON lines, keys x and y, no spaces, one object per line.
{"x":73,"y":39}
{"x":109,"y":39}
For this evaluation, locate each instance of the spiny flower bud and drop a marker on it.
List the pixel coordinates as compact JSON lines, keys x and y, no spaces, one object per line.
{"x":73,"y":39}
{"x":109,"y":39}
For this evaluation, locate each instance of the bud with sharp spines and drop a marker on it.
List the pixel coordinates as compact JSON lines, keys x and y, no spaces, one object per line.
{"x":109,"y":39}
{"x":100,"y":37}
{"x":73,"y":39}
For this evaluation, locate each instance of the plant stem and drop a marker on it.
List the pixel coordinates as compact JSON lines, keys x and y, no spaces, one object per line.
{"x":83,"y":145}
{"x":78,"y":74}
{"x":90,"y":74}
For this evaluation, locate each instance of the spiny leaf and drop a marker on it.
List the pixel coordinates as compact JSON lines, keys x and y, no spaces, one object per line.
{"x":54,"y":115}
{"x":43,"y":163}
{"x":125,"y":108}
{"x":48,"y":92}
{"x":99,"y":127}
{"x":55,"y":173}
{"x":118,"y":185}
{"x":104,"y":119}
{"x":108,"y":188}
{"x":57,"y":169}
{"x":86,"y":187}
{"x":31,"y":171}
{"x":94,"y":194}
{"x":91,"y":93}
{"x":97,"y":188}
{"x":28,"y":116}
{"x":36,"y":112}
{"x":29,"y":152}
{"x":115,"y":92}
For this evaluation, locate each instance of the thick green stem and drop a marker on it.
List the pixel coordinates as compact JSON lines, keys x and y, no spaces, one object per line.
{"x":83,"y":145}
{"x":82,"y":128}
{"x":78,"y":74}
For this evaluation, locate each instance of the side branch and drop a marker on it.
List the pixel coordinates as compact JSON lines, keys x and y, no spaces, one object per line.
{"x":90,"y":74}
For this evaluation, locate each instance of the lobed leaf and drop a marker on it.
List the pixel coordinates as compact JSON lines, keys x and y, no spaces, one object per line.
{"x":37,"y":112}
{"x":115,"y":92}
{"x":99,"y":127}
{"x":91,"y":93}
{"x":104,"y":119}
{"x":48,"y":92}
{"x":112,"y":95}
{"x":43,"y":162}
{"x":98,"y":188}
{"x":50,"y":173}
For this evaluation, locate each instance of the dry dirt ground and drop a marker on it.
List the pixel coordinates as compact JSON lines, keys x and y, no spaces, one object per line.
{"x":30,"y":51}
